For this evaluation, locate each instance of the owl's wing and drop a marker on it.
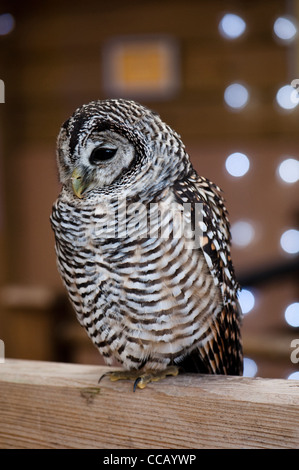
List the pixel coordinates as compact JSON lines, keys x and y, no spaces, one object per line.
{"x":222,"y":354}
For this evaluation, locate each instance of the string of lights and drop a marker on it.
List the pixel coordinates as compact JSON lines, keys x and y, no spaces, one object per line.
{"x":237,"y":165}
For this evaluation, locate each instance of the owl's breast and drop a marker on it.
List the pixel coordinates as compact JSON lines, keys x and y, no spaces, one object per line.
{"x":136,"y":284}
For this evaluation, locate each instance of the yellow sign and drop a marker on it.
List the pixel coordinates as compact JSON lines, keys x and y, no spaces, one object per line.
{"x":141,"y":67}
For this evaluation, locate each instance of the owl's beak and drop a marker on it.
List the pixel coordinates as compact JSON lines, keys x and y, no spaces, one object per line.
{"x":79,"y":183}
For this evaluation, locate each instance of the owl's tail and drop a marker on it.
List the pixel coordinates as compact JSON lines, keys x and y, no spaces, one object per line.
{"x":223,"y":353}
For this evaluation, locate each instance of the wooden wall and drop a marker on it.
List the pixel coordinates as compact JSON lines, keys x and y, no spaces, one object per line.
{"x":52,"y":62}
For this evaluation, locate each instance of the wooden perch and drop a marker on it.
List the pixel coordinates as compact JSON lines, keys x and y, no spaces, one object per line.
{"x":55,"y":405}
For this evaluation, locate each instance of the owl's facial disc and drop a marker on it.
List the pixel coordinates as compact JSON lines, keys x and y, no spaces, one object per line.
{"x":105,"y":157}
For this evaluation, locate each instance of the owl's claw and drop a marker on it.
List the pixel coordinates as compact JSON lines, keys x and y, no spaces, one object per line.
{"x":141,"y":379}
{"x":154,"y":376}
{"x":117,"y":375}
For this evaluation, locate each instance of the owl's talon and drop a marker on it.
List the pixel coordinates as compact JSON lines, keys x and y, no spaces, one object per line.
{"x":154,"y":376}
{"x":103,"y":376}
{"x":141,"y":379}
{"x":136,"y":384}
{"x":115,"y":375}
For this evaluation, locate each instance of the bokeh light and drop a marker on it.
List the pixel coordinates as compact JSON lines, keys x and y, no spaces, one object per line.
{"x":285,"y":97}
{"x":294,"y":376}
{"x":231,"y":26}
{"x":237,"y":164}
{"x":250,"y":367}
{"x":242,"y":233}
{"x":289,"y":241}
{"x":285,"y":29}
{"x":246,"y":300}
{"x":7,"y":23}
{"x":288,"y":170}
{"x":236,"y":96}
{"x":291,"y":314}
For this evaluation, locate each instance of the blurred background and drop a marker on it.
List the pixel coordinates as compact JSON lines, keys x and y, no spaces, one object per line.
{"x":223,"y":74}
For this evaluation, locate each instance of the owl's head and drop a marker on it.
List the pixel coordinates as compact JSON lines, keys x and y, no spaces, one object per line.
{"x":113,"y":144}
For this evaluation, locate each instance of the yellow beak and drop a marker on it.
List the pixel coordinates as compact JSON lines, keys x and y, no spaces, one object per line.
{"x":78,"y":183}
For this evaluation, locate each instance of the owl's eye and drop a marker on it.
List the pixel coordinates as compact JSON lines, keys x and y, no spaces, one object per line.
{"x":101,"y":154}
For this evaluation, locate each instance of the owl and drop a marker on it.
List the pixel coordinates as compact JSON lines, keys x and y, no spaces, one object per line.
{"x":143,"y":246}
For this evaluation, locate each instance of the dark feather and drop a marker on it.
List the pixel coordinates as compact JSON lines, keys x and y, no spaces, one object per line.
{"x":222,"y":354}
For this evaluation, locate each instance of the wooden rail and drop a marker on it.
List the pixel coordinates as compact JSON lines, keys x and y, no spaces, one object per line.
{"x":56,"y":405}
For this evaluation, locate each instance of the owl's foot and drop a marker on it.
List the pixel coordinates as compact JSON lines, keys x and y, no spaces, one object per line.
{"x":154,"y":376}
{"x":141,"y":379}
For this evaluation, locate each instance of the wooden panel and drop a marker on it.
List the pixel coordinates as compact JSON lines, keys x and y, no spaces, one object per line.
{"x":191,"y":119}
{"x":58,"y":64}
{"x":204,"y":69}
{"x":262,"y":65}
{"x":35,"y":187}
{"x":73,"y":25}
{"x":50,"y":405}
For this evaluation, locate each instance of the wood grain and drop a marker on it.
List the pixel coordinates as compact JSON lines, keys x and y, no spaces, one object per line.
{"x":56,"y":405}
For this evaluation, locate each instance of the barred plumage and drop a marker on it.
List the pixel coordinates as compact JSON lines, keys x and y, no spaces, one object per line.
{"x":143,"y":243}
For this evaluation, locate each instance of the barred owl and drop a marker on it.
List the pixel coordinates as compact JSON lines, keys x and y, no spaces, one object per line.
{"x":143,"y":246}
